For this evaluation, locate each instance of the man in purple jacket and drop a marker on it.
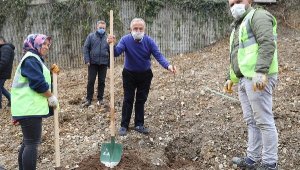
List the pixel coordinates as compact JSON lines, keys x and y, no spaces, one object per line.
{"x":137,"y":74}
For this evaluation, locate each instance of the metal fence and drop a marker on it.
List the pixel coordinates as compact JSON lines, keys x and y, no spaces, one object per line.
{"x":175,"y":30}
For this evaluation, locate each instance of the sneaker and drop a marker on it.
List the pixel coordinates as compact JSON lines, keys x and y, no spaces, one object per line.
{"x":2,"y":168}
{"x":100,"y":102}
{"x":86,"y":103}
{"x":267,"y":167}
{"x":244,"y":163}
{"x":142,"y":129}
{"x":123,"y":131}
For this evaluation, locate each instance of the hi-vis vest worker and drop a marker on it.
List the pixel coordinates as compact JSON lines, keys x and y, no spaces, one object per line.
{"x":25,"y":101}
{"x":248,"y":49}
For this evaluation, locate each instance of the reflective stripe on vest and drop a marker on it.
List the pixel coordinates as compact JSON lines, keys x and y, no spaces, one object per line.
{"x":248,"y":49}
{"x":25,"y":101}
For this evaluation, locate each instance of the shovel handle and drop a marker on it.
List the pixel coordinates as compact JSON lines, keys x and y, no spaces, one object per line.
{"x":56,"y":124}
{"x":112,"y":100}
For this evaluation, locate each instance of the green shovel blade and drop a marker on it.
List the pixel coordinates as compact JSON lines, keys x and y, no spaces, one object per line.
{"x":111,"y":153}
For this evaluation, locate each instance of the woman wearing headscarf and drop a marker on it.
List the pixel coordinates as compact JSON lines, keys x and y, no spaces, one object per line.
{"x":31,"y":97}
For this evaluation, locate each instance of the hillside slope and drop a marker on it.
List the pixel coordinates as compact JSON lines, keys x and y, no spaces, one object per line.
{"x":192,"y":125}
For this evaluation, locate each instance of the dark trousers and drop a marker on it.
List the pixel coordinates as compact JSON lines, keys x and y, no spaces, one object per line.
{"x":3,"y":91}
{"x":93,"y":71}
{"x":32,"y":131}
{"x":135,"y":84}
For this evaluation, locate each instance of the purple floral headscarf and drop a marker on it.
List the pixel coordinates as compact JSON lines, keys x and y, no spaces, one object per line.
{"x":34,"y":42}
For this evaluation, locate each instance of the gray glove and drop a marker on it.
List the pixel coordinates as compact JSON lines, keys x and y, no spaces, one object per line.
{"x":260,"y":81}
{"x":52,"y":101}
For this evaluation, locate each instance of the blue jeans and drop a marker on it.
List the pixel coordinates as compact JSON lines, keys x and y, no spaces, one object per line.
{"x":257,"y":112}
{"x":3,"y":91}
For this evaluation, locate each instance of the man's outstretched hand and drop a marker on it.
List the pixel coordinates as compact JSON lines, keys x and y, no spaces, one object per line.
{"x":172,"y":69}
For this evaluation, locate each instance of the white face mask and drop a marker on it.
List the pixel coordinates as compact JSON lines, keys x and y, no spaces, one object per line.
{"x":137,"y":35}
{"x":238,"y":10}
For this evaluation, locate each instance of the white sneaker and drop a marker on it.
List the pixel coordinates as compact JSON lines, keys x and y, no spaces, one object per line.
{"x":101,"y":102}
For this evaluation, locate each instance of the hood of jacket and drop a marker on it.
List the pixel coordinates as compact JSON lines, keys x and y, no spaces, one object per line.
{"x":8,"y":44}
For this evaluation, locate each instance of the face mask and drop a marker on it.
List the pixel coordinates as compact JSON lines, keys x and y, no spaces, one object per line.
{"x":137,"y":35}
{"x":101,"y":31}
{"x":238,"y":10}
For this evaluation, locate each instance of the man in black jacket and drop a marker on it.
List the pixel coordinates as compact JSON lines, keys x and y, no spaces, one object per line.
{"x":96,"y":56}
{"x":6,"y":61}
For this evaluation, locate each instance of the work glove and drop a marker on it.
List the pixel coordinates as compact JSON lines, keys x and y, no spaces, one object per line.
{"x":228,"y":87}
{"x":54,"y":69}
{"x":52,"y":101}
{"x":172,"y":69}
{"x":260,"y":81}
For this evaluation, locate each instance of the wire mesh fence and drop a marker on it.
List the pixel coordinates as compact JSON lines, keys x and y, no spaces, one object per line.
{"x":175,"y":30}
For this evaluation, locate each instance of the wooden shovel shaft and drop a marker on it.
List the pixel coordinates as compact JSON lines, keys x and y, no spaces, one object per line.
{"x":112,"y":100}
{"x":56,"y":125}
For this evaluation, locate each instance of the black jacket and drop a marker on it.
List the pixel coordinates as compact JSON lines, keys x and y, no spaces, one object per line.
{"x":96,"y":49}
{"x":6,"y":60}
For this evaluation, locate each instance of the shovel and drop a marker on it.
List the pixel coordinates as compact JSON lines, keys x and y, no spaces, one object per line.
{"x":111,"y":152}
{"x":56,"y":126}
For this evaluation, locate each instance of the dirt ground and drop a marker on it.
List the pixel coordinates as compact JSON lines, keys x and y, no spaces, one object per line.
{"x":192,"y":125}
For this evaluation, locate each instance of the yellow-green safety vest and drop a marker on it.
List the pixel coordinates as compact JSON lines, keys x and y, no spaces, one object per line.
{"x":248,"y":49}
{"x":24,"y":100}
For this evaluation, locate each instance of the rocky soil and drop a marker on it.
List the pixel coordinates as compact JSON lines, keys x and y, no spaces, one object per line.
{"x":193,"y":125}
